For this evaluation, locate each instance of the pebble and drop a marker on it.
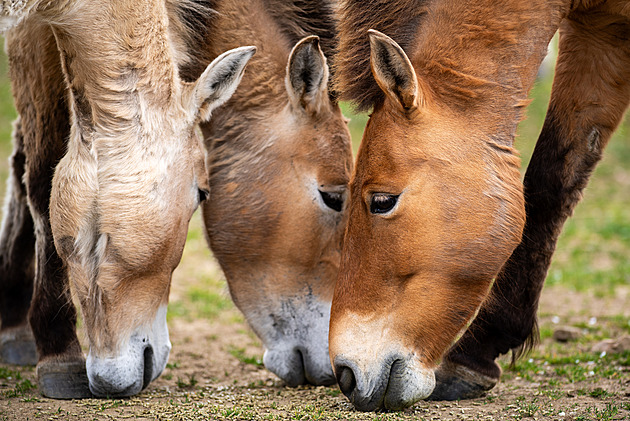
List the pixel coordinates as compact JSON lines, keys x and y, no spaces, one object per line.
{"x":615,"y":346}
{"x":566,"y":333}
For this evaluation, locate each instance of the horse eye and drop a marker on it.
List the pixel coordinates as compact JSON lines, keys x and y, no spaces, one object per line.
{"x":203,"y":195}
{"x":333,"y":200}
{"x":383,"y":203}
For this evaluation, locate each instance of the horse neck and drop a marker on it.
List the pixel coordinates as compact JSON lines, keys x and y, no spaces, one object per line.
{"x":117,"y":59}
{"x":483,"y":57}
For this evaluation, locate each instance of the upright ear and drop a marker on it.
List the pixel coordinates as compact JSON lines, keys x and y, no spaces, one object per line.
{"x":393,"y":71}
{"x":307,"y":75}
{"x":219,"y":81}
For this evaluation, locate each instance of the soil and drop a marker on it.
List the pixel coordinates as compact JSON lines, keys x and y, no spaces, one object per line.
{"x":214,"y":372}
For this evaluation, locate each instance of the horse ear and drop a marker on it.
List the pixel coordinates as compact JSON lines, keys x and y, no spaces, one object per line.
{"x":307,"y":75}
{"x":219,"y":81}
{"x":393,"y":71}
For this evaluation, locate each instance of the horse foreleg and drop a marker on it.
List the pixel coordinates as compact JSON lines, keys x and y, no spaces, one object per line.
{"x":590,"y":94}
{"x":17,"y":252}
{"x":40,"y":98}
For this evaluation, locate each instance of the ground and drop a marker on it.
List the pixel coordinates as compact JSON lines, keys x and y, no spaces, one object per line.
{"x":215,"y":369}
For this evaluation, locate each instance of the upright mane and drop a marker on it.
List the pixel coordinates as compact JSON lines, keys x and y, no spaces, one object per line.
{"x":300,"y":18}
{"x":398,"y":19}
{"x":191,"y":24}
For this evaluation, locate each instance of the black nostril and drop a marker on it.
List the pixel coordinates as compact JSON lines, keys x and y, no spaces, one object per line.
{"x":148,"y":367}
{"x":346,"y":380}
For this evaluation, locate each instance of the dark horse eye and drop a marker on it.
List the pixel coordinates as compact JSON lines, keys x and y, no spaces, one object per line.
{"x":203,"y":195}
{"x":383,"y":203}
{"x":333,"y":200}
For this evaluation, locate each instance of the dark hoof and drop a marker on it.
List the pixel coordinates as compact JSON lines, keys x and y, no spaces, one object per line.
{"x":17,"y":346}
{"x":454,"y":381}
{"x":63,"y":380}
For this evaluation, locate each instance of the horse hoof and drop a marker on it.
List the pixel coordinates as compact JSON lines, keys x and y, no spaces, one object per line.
{"x":454,"y":381}
{"x":17,"y":346}
{"x":63,"y":380}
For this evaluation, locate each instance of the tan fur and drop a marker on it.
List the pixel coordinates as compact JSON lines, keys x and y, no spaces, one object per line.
{"x":443,"y":143}
{"x":268,"y":153}
{"x":125,"y":190}
{"x":252,"y":145}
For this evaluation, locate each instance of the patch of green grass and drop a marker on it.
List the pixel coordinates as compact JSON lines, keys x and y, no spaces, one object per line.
{"x":528,"y":409}
{"x":554,"y":394}
{"x":200,"y":302}
{"x":239,"y":354}
{"x":332,"y":392}
{"x":191,"y":383}
{"x":8,"y":374}
{"x":600,"y":393}
{"x":20,"y":389}
{"x":607,"y":413}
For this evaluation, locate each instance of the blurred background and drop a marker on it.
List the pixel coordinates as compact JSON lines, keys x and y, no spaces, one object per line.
{"x":593,"y":252}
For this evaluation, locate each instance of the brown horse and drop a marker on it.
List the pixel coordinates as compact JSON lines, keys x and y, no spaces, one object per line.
{"x":279,"y":161}
{"x":439,"y":228}
{"x":101,"y":103}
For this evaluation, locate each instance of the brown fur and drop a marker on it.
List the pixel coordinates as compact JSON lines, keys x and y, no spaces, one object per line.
{"x":39,"y":92}
{"x":444,"y":144}
{"x":267,"y":154}
{"x":397,"y":19}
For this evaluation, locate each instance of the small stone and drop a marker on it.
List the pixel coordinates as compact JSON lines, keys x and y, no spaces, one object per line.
{"x":614,"y":346}
{"x":567,"y":333}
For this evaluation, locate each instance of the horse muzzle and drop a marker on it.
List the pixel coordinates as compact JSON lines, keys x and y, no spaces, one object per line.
{"x":138,"y":361}
{"x":298,"y":365}
{"x":395,"y":383}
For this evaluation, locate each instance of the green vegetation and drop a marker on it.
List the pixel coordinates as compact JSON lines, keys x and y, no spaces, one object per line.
{"x":239,"y":353}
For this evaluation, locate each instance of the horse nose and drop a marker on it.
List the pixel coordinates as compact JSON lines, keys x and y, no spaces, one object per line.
{"x":317,"y":368}
{"x":364,"y":394}
{"x":120,"y":377}
{"x":346,"y":379}
{"x":298,"y":365}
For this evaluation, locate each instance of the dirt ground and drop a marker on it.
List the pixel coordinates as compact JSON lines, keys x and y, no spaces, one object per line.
{"x":214,"y":372}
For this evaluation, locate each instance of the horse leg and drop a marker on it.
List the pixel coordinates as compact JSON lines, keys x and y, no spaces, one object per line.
{"x":40,"y":98}
{"x":591,"y":91}
{"x":17,"y":252}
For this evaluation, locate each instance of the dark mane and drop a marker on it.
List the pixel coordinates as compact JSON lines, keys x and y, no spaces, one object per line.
{"x":296,"y":18}
{"x":193,"y":22}
{"x":398,"y":19}
{"x":300,"y":18}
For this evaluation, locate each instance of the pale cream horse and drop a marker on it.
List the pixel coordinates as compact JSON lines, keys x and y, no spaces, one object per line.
{"x":101,"y":76}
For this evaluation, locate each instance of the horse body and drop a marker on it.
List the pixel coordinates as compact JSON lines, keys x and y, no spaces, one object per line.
{"x":122,"y":193}
{"x":279,"y":160}
{"x":439,"y":228}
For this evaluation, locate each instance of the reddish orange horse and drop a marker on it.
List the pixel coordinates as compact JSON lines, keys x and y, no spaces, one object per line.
{"x":441,"y":228}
